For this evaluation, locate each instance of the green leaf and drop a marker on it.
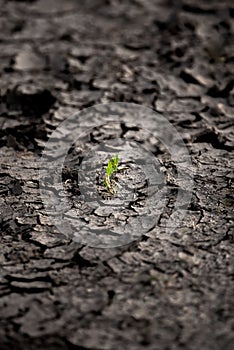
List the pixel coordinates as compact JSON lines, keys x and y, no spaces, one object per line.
{"x":111,"y":168}
{"x":112,"y":165}
{"x":115,"y":162}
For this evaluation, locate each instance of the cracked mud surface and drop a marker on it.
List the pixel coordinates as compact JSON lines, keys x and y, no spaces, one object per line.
{"x":164,"y":291}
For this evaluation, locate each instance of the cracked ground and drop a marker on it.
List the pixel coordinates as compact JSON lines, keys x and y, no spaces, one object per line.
{"x":166,"y":290}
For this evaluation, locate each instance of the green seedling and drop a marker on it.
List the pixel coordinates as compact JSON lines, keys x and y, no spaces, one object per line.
{"x":112,"y":167}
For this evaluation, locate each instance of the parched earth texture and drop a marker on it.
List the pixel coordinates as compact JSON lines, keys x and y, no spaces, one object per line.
{"x":165,"y":290}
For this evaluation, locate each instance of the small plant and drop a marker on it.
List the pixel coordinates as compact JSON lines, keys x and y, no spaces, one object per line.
{"x":112,"y":167}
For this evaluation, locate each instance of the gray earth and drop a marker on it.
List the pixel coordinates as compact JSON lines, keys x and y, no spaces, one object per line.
{"x":166,"y":290}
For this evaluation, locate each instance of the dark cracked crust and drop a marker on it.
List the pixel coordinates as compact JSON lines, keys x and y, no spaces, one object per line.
{"x":165,"y":291}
